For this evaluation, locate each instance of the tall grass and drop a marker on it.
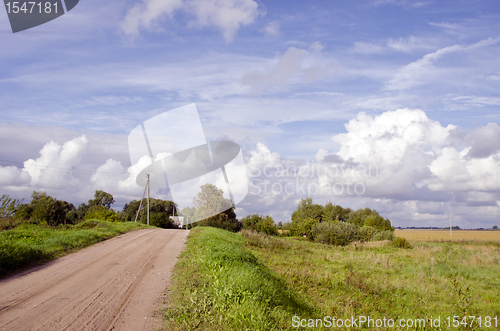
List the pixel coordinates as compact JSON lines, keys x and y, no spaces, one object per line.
{"x":30,"y":244}
{"x":379,"y":280}
{"x":219,"y":285}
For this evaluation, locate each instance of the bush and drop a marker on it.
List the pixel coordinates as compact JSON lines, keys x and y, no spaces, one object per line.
{"x":263,"y":224}
{"x":222,"y":221}
{"x":160,"y":220}
{"x":401,"y":243}
{"x":339,"y":233}
{"x":101,"y":213}
{"x":383,"y":235}
{"x":305,"y":227}
{"x":367,"y":232}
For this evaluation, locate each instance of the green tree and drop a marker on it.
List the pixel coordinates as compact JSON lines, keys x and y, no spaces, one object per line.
{"x":45,"y":209}
{"x":210,"y":201}
{"x":263,"y":224}
{"x":129,"y":211}
{"x":495,"y":227}
{"x":378,"y":222}
{"x":102,"y":198}
{"x":212,"y":209}
{"x":359,"y":216}
{"x":332,"y":213}
{"x":306,"y":214}
{"x":159,"y":212}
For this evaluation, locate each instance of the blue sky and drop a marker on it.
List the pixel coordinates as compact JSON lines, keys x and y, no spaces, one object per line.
{"x":410,"y":88}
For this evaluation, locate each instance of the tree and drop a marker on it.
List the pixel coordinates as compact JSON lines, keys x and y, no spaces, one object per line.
{"x":45,"y":209}
{"x":263,"y":224}
{"x":378,"y":222}
{"x":305,"y":216}
{"x":210,"y":201}
{"x":159,"y":212}
{"x":332,"y":213}
{"x":101,"y":198}
{"x":212,"y":209}
{"x":495,"y":227}
{"x":359,"y":216}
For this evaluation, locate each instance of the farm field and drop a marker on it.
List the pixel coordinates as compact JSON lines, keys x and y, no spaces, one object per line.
{"x":444,"y":235}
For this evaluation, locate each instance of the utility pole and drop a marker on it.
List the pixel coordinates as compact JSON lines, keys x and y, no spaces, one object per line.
{"x":140,"y":204}
{"x":148,"y":197}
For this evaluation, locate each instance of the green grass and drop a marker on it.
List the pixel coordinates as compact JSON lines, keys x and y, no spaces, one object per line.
{"x":380,"y":280}
{"x":250,"y":281}
{"x":30,"y":244}
{"x":219,"y":285}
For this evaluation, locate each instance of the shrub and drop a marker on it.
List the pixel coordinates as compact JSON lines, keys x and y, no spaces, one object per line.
{"x":305,"y":227}
{"x":101,"y":213}
{"x":160,"y":220}
{"x":263,"y":224}
{"x":383,"y":235}
{"x":401,"y":243}
{"x":366,"y":232}
{"x":339,"y":233}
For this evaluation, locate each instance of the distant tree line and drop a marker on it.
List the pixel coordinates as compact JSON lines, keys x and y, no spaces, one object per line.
{"x":46,"y":210}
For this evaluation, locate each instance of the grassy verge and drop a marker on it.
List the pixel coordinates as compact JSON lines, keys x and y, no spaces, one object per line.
{"x":379,"y":280}
{"x":30,"y":244}
{"x":219,"y":285}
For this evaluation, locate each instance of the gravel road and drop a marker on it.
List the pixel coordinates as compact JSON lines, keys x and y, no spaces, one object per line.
{"x":117,"y":284}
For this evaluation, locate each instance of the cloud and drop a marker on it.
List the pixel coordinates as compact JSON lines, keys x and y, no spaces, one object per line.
{"x":272,"y":29}
{"x":423,"y":70}
{"x":112,"y":100}
{"x":398,"y":157}
{"x":53,"y":168}
{"x":261,"y":157}
{"x":406,"y":45}
{"x":367,"y":48}
{"x":226,"y":15}
{"x":484,"y":141}
{"x":294,"y":66}
{"x":407,"y":3}
{"x":145,"y":14}
{"x":410,"y":150}
{"x":63,"y":171}
{"x":416,"y":72}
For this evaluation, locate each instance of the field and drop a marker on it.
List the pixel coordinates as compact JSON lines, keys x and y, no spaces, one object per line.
{"x":240,"y":281}
{"x":444,"y":235}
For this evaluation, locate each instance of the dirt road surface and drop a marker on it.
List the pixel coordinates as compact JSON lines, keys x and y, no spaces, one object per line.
{"x":117,"y":284}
